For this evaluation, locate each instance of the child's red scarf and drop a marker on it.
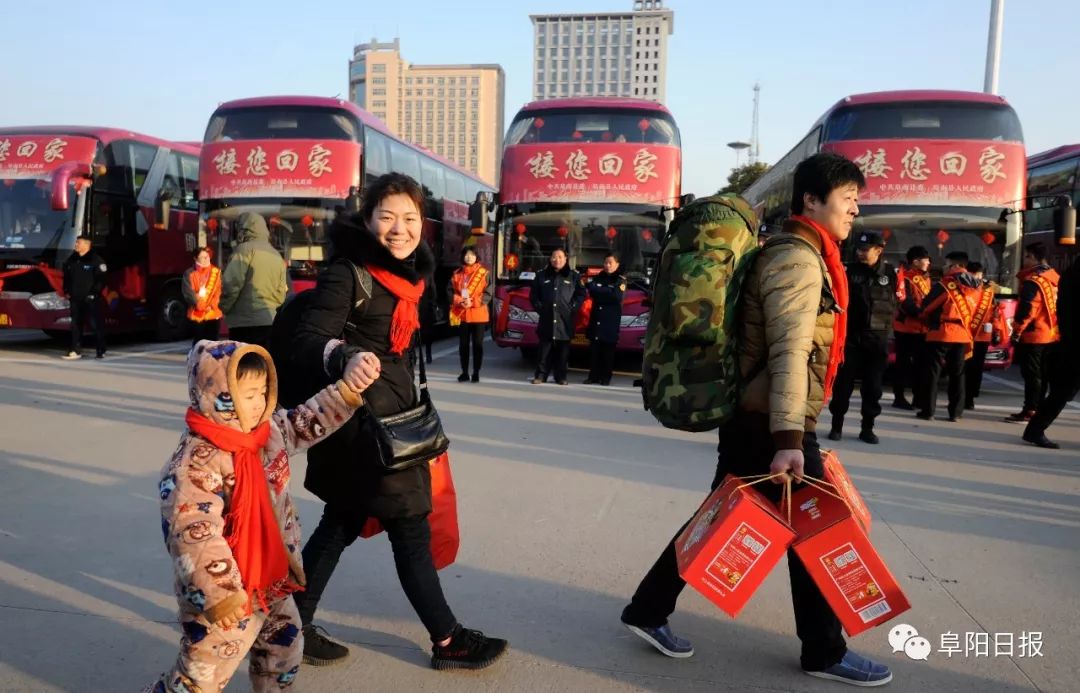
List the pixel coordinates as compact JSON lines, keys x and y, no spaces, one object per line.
{"x":830,"y":251}
{"x":406,"y":316}
{"x":251,"y":529}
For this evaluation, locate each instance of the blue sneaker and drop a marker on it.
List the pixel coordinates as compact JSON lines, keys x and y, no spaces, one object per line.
{"x":856,"y":670}
{"x":664,"y":640}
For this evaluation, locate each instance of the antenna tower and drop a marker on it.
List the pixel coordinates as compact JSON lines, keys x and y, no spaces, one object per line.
{"x":754,"y":148}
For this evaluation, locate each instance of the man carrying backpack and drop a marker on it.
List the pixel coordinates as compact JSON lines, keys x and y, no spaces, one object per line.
{"x":790,"y":343}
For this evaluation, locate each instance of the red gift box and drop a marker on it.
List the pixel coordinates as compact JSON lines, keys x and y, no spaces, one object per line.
{"x":836,"y":475}
{"x":842,"y":562}
{"x":732,"y":544}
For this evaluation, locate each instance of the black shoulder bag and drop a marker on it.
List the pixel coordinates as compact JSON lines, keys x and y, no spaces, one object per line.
{"x":408,"y":438}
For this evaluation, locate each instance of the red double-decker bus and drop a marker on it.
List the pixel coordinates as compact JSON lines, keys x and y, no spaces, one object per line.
{"x":301,"y":160}
{"x":1053,"y":177}
{"x":590,"y":176}
{"x":944,"y":170}
{"x":57,"y":183}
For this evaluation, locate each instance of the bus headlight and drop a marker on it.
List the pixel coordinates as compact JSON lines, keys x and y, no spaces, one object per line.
{"x":641,"y":320}
{"x":49,"y":301}
{"x":523,"y":315}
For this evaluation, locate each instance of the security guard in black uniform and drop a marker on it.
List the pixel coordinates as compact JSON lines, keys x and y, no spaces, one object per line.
{"x":872,"y":283}
{"x":84,"y":279}
{"x":606,"y":290}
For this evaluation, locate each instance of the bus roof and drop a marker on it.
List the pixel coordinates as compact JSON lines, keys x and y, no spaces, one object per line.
{"x":103,"y":135}
{"x":363,"y":116}
{"x":876,"y":97}
{"x":609,"y":102}
{"x":1065,"y":151}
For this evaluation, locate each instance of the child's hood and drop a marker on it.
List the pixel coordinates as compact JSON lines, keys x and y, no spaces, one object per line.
{"x":212,"y":382}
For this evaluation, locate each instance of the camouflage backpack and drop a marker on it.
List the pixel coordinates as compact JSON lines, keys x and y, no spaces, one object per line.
{"x":690,"y":378}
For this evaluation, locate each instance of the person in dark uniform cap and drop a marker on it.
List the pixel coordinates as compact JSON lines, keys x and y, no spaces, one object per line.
{"x":606,"y":290}
{"x":84,"y":280}
{"x":872,"y":305}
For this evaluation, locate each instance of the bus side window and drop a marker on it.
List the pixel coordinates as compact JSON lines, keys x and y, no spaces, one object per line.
{"x":376,"y":156}
{"x":455,"y":187}
{"x":434,"y":187}
{"x":404,"y":160}
{"x":170,"y":184}
{"x":142,"y":157}
{"x":189,"y":182}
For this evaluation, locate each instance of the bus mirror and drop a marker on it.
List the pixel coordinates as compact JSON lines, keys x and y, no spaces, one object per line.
{"x":1065,"y":222}
{"x":61,"y":183}
{"x":478,"y":213}
{"x":352,"y":202}
{"x":162,"y":205}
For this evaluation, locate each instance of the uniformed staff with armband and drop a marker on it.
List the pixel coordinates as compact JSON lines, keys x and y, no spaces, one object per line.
{"x":606,"y":291}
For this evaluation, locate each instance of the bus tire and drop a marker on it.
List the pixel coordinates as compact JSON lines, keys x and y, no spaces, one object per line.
{"x":171,"y":314}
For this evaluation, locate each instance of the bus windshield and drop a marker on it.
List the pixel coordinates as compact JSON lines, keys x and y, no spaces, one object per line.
{"x":27,"y":220}
{"x":529,"y":233}
{"x":982,"y":246}
{"x":298,"y":227}
{"x":592,"y":125}
{"x":281,"y":123}
{"x":924,"y":120}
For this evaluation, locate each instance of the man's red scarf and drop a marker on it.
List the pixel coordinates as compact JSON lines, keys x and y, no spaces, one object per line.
{"x":406,"y":316}
{"x":830,"y":251}
{"x":251,"y":529}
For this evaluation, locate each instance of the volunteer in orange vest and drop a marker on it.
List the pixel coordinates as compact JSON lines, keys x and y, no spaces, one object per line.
{"x":948,"y":310}
{"x":1035,"y":326}
{"x":908,"y":328}
{"x":988,"y":327}
{"x":470,"y":293}
{"x":1065,"y":384}
{"x":202,"y":292}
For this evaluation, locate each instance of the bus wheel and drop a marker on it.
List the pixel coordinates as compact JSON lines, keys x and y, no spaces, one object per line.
{"x":171,"y":314}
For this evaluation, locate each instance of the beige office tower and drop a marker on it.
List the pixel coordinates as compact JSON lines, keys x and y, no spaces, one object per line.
{"x":455,"y":111}
{"x":602,"y":53}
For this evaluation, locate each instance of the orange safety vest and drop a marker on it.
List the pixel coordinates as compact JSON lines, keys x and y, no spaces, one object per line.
{"x":920,"y":287}
{"x":476,"y":282}
{"x":206,"y":305}
{"x":1041,"y":325}
{"x":957,"y":304}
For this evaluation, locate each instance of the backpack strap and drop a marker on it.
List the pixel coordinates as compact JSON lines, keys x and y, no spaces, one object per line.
{"x":361,"y":294}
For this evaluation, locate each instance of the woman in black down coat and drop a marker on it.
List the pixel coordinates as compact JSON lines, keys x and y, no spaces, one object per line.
{"x":385,"y":238}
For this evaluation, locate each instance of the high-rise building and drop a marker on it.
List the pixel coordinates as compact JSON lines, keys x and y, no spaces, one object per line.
{"x":455,"y":111}
{"x":603,"y":54}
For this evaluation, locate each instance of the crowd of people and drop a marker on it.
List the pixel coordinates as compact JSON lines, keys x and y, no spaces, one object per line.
{"x":245,"y":580}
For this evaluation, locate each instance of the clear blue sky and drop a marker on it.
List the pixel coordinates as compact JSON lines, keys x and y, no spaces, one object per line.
{"x":161,"y":68}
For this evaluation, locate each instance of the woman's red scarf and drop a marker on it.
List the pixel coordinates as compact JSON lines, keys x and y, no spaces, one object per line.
{"x":406,"y":316}
{"x":830,"y":251}
{"x":251,"y":528}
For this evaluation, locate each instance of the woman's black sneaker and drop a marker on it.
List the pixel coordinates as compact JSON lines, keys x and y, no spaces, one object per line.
{"x":467,"y":649}
{"x":463,"y":378}
{"x":319,"y":649}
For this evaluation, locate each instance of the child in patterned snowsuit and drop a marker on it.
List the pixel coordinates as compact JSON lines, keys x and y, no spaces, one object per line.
{"x":229,"y":523}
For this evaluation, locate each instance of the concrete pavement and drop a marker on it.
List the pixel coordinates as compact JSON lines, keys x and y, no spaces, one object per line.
{"x":566,"y":496}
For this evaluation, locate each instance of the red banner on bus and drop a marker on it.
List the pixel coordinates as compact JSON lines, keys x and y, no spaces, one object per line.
{"x":590,"y":172}
{"x":36,"y":156}
{"x":937,"y":172}
{"x":279,"y":168}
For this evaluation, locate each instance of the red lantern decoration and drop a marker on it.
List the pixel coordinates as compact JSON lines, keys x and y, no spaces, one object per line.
{"x":605,"y":137}
{"x":646,"y":235}
{"x":212,"y":224}
{"x":307,"y":220}
{"x":643,"y":124}
{"x":577,"y":135}
{"x":988,"y":237}
{"x":538,"y":123}
{"x":942,"y":236}
{"x":562,"y":231}
{"x":611,"y":233}
{"x":9,"y":182}
{"x":886,"y":234}
{"x":275,"y":219}
{"x":519,"y":229}
{"x":511,"y":261}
